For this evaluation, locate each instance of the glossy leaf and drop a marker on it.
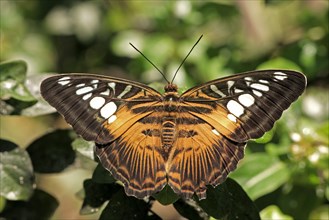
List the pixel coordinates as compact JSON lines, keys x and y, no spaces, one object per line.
{"x":122,"y":206}
{"x":101,"y":175}
{"x":16,"y":171}
{"x":40,"y":206}
{"x":95,"y":195}
{"x":52,"y":152}
{"x":189,"y":209}
{"x":229,"y":201}
{"x":166,"y":196}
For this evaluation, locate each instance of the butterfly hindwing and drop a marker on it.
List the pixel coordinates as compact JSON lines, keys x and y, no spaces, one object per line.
{"x":98,"y":107}
{"x":136,"y":158}
{"x":245,"y":106}
{"x":201,"y":156}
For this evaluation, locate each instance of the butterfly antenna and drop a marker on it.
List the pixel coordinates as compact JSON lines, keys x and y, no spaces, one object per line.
{"x":150,"y":62}
{"x":185,"y":59}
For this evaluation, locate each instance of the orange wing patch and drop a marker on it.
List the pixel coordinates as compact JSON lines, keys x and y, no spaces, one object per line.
{"x":201,"y":157}
{"x":135,"y":159}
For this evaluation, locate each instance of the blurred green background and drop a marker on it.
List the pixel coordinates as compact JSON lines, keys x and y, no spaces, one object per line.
{"x":93,"y":37}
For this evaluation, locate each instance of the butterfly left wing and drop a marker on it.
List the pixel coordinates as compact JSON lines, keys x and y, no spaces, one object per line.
{"x":245,"y":106}
{"x":118,"y":115}
{"x":99,"y":108}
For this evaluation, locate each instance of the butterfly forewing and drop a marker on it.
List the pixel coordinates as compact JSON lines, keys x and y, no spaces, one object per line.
{"x":98,"y":107}
{"x":245,"y":106}
{"x":147,"y":140}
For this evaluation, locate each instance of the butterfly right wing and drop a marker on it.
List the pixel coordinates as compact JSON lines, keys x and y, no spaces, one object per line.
{"x":99,"y":108}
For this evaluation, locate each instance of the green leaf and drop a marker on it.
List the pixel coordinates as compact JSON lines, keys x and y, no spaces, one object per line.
{"x":16,"y":170}
{"x":229,"y":201}
{"x":122,"y":206}
{"x":52,"y":152}
{"x":166,"y":196}
{"x":101,"y":175}
{"x":188,"y":209}
{"x":260,"y":173}
{"x":86,"y":148}
{"x":15,"y":70}
{"x":321,"y":212}
{"x":279,"y":63}
{"x":96,"y":194}
{"x":12,"y":77}
{"x":40,"y":206}
{"x":299,"y":200}
{"x":274,"y":212}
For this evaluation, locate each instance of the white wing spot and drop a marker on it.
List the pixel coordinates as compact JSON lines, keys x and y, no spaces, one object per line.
{"x":263,"y":81}
{"x":230,"y":83}
{"x":215,"y":132}
{"x":231,"y":117}
{"x":216,"y":90}
{"x":248,"y":79}
{"x":112,"y":85}
{"x":260,"y":86}
{"x":97,"y":102}
{"x":108,"y":110}
{"x":106,"y":92}
{"x":235,"y":108}
{"x":280,"y":75}
{"x":112,"y":119}
{"x":80,"y":85}
{"x":246,"y":100}
{"x":125,"y":91}
{"x":84,"y":90}
{"x":94,"y":81}
{"x":238,"y":90}
{"x":87,"y":96}
{"x":64,"y":80}
{"x":258,"y":93}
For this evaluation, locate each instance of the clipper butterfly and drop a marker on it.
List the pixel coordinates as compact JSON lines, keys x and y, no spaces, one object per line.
{"x":147,"y":139}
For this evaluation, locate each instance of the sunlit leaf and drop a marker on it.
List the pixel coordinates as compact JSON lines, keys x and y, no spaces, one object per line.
{"x":274,"y":212}
{"x":260,"y":173}
{"x":86,"y":148}
{"x":279,"y":63}
{"x":16,"y":171}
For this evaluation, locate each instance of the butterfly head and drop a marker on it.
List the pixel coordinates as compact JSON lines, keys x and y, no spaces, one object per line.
{"x":170,"y":87}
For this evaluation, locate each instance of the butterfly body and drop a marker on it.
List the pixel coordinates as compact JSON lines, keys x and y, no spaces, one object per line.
{"x":188,"y":141}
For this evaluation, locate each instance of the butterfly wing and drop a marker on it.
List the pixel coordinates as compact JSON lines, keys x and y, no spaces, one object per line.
{"x":200,"y":156}
{"x":113,"y":113}
{"x":245,"y":106}
{"x":99,"y":108}
{"x":217,"y":118}
{"x":136,"y":158}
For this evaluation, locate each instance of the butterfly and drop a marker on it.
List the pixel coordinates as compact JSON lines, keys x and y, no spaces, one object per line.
{"x":148,"y":140}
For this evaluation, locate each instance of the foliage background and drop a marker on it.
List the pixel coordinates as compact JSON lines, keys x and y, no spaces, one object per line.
{"x":93,"y":36}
